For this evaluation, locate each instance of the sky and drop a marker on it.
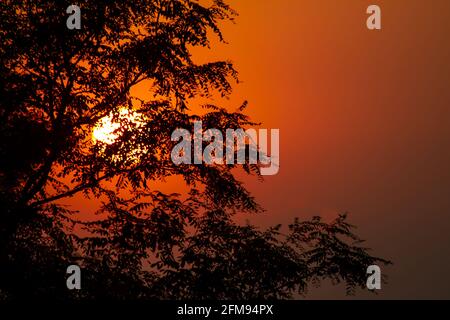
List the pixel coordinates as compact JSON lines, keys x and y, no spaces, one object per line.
{"x":364,"y":119}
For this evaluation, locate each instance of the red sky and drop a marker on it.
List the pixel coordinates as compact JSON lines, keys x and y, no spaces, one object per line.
{"x":364,"y":120}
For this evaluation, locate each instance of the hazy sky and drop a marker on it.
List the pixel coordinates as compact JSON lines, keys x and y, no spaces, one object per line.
{"x":364,"y":119}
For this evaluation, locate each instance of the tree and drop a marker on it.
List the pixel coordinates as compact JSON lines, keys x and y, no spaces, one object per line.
{"x":56,"y":85}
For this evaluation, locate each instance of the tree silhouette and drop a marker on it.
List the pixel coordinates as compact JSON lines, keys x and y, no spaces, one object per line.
{"x":56,"y":85}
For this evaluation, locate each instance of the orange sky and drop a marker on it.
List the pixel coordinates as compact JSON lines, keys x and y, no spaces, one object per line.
{"x":364,"y":119}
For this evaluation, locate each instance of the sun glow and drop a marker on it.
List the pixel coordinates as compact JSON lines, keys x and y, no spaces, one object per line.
{"x":109,"y":128}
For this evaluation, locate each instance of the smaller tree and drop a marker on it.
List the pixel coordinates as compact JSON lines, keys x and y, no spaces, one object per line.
{"x":223,"y":260}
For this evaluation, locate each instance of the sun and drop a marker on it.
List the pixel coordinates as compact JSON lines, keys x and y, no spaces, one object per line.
{"x":109,"y":128}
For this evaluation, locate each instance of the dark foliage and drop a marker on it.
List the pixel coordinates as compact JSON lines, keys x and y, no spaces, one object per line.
{"x":55,"y":85}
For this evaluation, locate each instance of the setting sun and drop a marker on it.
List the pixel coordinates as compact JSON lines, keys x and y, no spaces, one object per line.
{"x":108,"y":128}
{"x":111,"y":128}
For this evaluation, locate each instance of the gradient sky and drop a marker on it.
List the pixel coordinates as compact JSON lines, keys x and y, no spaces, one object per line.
{"x":364,"y":119}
